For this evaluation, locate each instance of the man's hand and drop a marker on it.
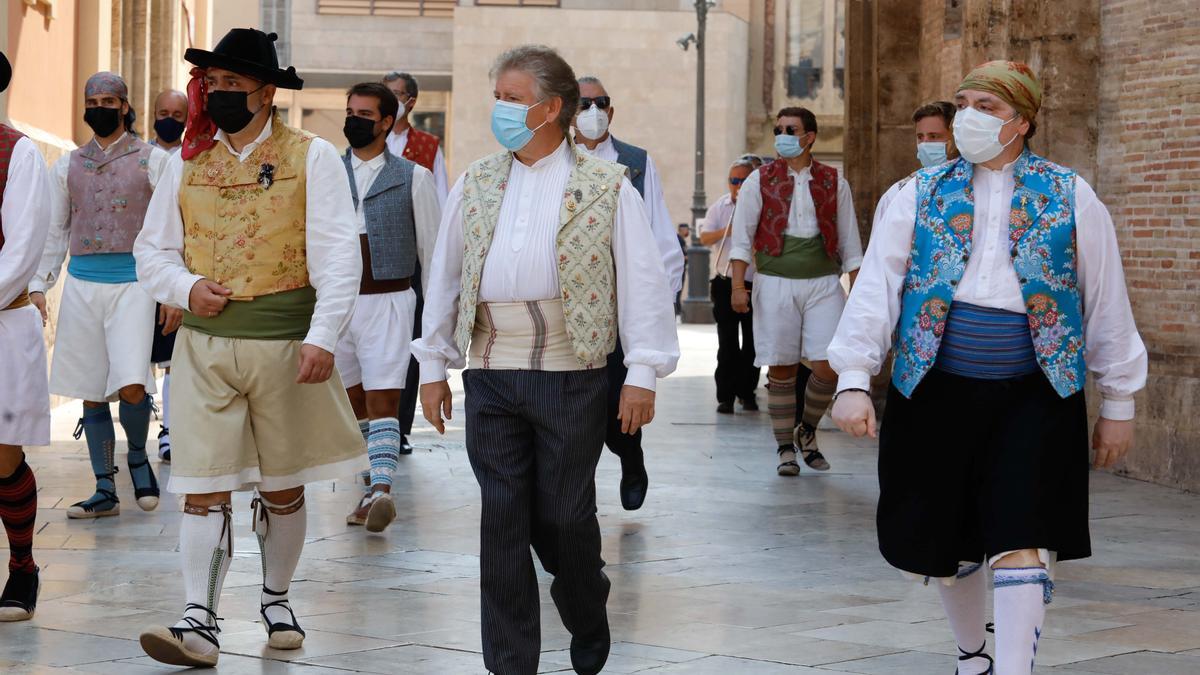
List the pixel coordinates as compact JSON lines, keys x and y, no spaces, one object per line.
{"x":1111,"y":439}
{"x":208,"y":298}
{"x":436,"y":401}
{"x":854,"y":414}
{"x":38,"y":299}
{"x":316,"y":365}
{"x":740,"y":300}
{"x":170,"y":318}
{"x":636,"y":409}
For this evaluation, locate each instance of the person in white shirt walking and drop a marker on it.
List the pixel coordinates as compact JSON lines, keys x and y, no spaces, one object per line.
{"x":935,"y":145}
{"x":592,"y":136}
{"x":170,"y":119}
{"x":999,"y":276}
{"x":543,"y":257}
{"x":268,"y":268}
{"x":795,"y":222}
{"x":411,"y":143}
{"x":106,"y":322}
{"x":397,"y":210}
{"x":24,"y":394}
{"x":736,"y":375}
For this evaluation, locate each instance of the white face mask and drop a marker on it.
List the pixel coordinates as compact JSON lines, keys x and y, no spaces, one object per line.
{"x":977,"y":135}
{"x":592,"y":123}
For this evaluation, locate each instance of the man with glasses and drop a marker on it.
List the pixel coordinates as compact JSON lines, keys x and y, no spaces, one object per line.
{"x":591,"y":134}
{"x":425,"y":149}
{"x":736,"y":374}
{"x":795,"y":222}
{"x":409,"y":142}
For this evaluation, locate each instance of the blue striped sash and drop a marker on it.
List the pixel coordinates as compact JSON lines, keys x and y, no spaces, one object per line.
{"x":986,"y":343}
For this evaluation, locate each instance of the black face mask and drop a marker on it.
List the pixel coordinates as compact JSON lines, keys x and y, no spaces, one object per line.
{"x":360,"y":131}
{"x":103,"y":121}
{"x":168,"y":129}
{"x":228,"y":110}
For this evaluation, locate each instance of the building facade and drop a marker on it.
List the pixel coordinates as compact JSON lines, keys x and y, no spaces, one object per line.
{"x":1121,"y":105}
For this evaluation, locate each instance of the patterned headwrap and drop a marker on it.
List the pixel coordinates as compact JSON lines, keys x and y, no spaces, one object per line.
{"x":200,"y":133}
{"x":1013,"y":82}
{"x":106,"y":83}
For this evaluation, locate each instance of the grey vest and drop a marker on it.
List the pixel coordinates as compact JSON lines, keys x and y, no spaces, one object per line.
{"x":388,"y":210}
{"x":634,"y":159}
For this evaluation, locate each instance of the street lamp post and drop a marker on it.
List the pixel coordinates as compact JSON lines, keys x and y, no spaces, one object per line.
{"x":697,"y":307}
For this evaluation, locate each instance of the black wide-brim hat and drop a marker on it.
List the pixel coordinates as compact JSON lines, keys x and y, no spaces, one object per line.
{"x":250,"y":52}
{"x":5,"y":72}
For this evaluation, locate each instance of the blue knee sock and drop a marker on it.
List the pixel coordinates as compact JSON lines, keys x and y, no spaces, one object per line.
{"x":383,"y":448}
{"x":97,"y":426}
{"x":135,"y":420}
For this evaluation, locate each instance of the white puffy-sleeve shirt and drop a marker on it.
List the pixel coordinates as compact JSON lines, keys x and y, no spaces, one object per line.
{"x":26,"y":219}
{"x":802,"y":218}
{"x":1115,"y":353}
{"x":522,"y":266}
{"x":331,"y":239}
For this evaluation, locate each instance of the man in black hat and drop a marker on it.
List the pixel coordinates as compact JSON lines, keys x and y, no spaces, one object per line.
{"x":24,"y":395}
{"x":268,"y":270}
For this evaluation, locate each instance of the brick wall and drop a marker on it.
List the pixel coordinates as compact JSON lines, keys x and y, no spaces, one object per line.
{"x":1149,"y":176}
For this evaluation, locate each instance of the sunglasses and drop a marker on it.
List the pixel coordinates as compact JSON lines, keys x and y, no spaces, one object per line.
{"x":790,"y":131}
{"x":736,"y":181}
{"x":600,"y":101}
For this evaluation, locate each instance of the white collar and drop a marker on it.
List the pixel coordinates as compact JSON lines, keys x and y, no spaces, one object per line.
{"x":109,"y":149}
{"x":373,"y":163}
{"x":223,"y":138}
{"x":561,"y":154}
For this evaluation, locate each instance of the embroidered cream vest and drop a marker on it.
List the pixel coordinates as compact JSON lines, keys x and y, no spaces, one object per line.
{"x":586,"y":274}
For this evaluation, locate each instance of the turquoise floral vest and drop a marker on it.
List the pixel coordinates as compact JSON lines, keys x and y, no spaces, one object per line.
{"x":1042,"y":248}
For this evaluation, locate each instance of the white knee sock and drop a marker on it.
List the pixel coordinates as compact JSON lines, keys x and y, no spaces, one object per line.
{"x":205,"y":547}
{"x":964,"y":604}
{"x":281,"y":539}
{"x":166,"y":401}
{"x":1020,"y":601}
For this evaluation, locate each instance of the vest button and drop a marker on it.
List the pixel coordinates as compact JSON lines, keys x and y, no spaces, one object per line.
{"x":954,"y":282}
{"x":966,"y":257}
{"x":1023,"y":280}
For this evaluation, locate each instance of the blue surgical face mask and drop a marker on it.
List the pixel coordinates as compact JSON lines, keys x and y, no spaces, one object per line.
{"x":932,"y":153}
{"x":788,"y":146}
{"x":508,"y":124}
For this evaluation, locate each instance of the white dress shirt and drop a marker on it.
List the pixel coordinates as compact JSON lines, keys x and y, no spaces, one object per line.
{"x":397,"y":142}
{"x":427,"y":209}
{"x":802,"y":218}
{"x":522,"y":265}
{"x":25,"y":216}
{"x":1115,"y":353}
{"x":58,"y":240}
{"x":717,"y":219}
{"x":330,"y":235}
{"x":665,"y":232}
{"x":884,"y":202}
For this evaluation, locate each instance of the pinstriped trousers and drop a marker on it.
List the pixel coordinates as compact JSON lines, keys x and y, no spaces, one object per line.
{"x":533,"y":440}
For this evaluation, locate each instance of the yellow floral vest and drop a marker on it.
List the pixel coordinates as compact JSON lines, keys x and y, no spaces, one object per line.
{"x":586,"y":273}
{"x":240,"y":229}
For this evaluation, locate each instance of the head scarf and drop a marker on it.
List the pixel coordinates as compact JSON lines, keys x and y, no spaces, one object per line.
{"x":1015,"y":83}
{"x":200,"y":133}
{"x":106,"y":83}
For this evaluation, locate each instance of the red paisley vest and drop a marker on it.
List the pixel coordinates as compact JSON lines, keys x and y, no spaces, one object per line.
{"x":421,"y":148}
{"x":776,"y":187}
{"x":8,"y":141}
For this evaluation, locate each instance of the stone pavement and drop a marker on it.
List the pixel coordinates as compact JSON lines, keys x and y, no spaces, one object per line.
{"x":727,"y":570}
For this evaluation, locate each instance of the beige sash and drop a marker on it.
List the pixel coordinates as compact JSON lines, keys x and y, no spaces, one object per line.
{"x":522,"y":336}
{"x":20,"y":301}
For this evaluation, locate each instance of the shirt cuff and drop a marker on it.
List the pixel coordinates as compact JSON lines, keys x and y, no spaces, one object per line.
{"x":181,"y":294}
{"x":740,"y":254}
{"x":36,"y":285}
{"x":1117,"y":409}
{"x":852,"y":264}
{"x":318,"y":336}
{"x":639,"y":375}
{"x":433,"y":371}
{"x":854,"y":378}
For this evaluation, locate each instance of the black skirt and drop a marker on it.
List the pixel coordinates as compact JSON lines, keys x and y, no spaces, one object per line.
{"x":163,"y":345}
{"x":972,"y":468}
